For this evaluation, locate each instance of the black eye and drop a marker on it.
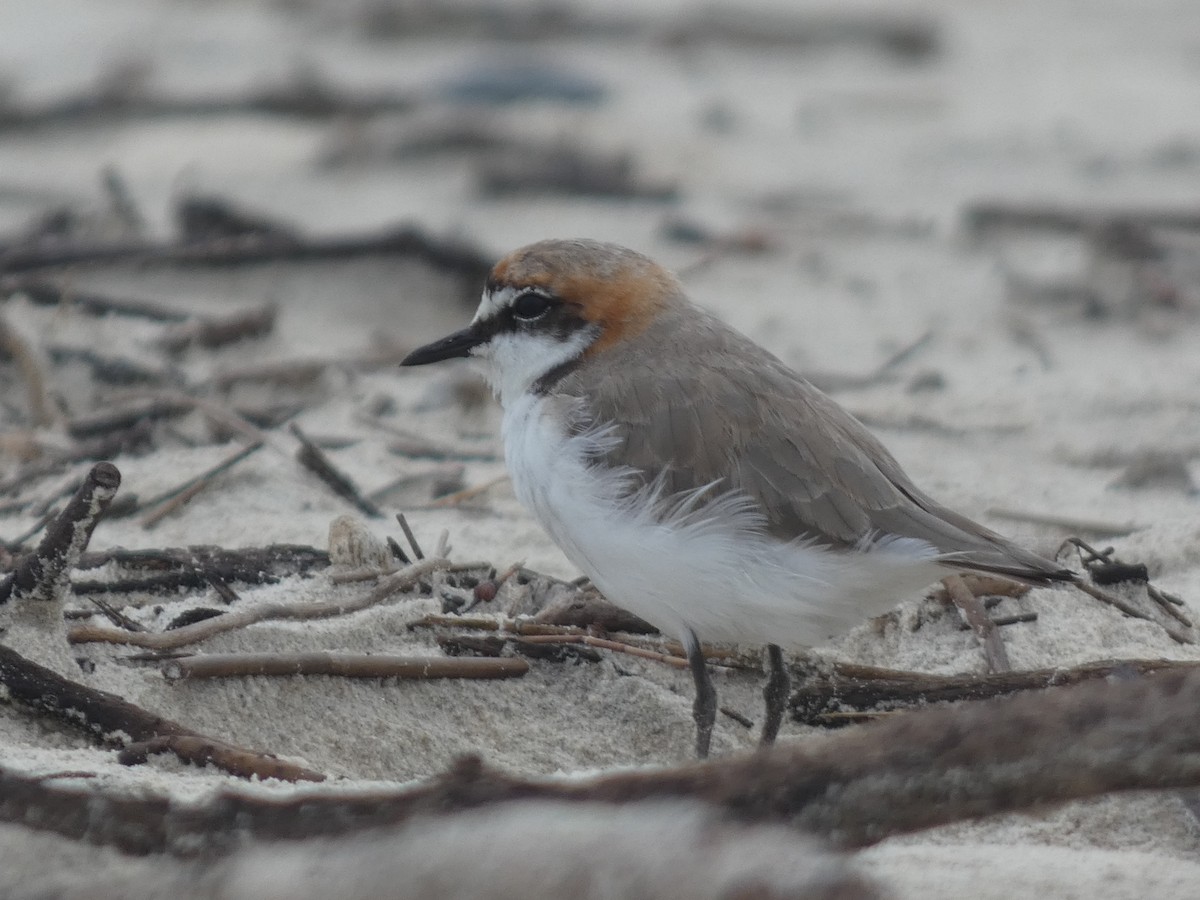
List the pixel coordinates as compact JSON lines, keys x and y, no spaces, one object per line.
{"x":531,"y":306}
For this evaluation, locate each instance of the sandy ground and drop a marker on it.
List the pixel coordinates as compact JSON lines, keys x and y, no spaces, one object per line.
{"x":854,"y":167}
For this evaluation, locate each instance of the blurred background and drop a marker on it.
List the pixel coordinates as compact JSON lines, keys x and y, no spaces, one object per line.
{"x":689,"y":130}
{"x":917,"y":204}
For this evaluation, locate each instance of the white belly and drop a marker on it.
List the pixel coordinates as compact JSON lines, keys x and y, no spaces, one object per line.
{"x":711,"y":571}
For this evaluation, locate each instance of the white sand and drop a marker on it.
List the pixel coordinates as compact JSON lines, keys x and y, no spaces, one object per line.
{"x":1030,"y":101}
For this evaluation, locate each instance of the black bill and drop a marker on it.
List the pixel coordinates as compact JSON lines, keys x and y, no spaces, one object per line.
{"x":452,"y":346}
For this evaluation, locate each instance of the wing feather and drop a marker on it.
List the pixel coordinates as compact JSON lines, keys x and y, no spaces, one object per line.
{"x":733,"y":414}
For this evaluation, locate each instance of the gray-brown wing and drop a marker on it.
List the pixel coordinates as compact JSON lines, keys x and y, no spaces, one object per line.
{"x":814,"y":469}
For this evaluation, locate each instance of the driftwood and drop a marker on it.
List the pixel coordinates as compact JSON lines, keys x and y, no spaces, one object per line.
{"x":855,"y":788}
{"x":123,"y":418}
{"x":306,"y":97}
{"x":116,"y":721}
{"x":342,"y":665}
{"x":905,"y":35}
{"x":172,"y":568}
{"x":211,"y":332}
{"x":45,"y":574}
{"x":986,"y":216}
{"x":846,"y":687}
{"x":409,"y":241}
{"x":198,"y":750}
{"x":47,"y":293}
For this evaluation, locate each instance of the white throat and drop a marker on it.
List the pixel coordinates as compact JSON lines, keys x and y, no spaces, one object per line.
{"x":515,"y":361}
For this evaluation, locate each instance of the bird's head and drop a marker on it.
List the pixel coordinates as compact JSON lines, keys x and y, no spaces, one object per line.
{"x":550,"y":305}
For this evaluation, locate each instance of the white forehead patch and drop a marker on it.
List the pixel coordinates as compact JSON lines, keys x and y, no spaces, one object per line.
{"x":494,"y":301}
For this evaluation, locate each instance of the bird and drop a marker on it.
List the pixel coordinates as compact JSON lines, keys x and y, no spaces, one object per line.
{"x":692,"y":476}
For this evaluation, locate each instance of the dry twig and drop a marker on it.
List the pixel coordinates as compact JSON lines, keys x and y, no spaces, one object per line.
{"x":407,"y":241}
{"x":470,"y":493}
{"x":199,"y":750}
{"x":985,"y":216}
{"x":174,"y":568}
{"x":212,"y":331}
{"x":343,"y":665}
{"x":981,"y":623}
{"x":846,"y":687}
{"x":408,"y":534}
{"x":240,"y":618}
{"x":179,"y":495}
{"x":314,"y":459}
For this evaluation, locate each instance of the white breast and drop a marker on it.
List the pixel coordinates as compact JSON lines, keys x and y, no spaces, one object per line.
{"x":710,"y":570}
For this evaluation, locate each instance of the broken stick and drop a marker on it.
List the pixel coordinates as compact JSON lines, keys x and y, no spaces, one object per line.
{"x":114,"y":720}
{"x":314,"y":459}
{"x":45,"y":574}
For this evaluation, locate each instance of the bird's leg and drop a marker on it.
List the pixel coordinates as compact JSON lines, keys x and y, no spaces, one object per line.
{"x":704,"y":708}
{"x":775,"y":693}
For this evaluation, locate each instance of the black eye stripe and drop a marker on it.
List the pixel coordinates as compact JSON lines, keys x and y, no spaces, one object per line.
{"x":531,"y":305}
{"x":543,"y":314}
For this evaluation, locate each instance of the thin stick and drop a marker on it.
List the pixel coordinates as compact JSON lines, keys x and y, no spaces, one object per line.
{"x":408,"y":533}
{"x":398,"y":551}
{"x":1098,"y":561}
{"x":212,"y":331}
{"x":667,"y":651}
{"x":180,"y":494}
{"x":316,"y":461}
{"x":1169,"y":603}
{"x":344,"y":665}
{"x":604,"y":644}
{"x":199,"y":750}
{"x":240,"y":618}
{"x":981,"y":623}
{"x":1116,"y":602}
{"x":984,"y":585}
{"x":465,"y":494}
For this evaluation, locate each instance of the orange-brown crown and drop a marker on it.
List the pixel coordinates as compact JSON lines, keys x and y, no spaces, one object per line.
{"x":617,"y":289}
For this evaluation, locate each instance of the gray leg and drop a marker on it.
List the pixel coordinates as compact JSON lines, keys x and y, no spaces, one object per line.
{"x":704,"y":709}
{"x":775,"y":693}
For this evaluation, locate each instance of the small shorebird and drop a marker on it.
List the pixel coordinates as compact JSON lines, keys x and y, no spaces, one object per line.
{"x":693,"y":477}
